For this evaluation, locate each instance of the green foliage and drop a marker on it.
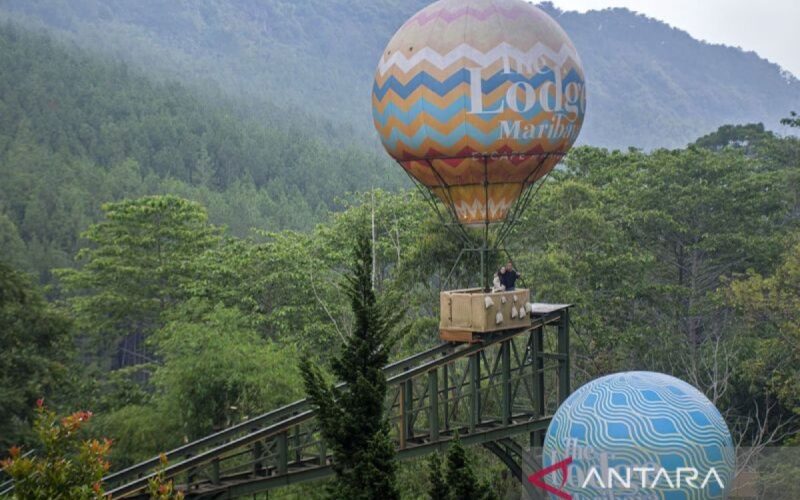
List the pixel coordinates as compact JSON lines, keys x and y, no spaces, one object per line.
{"x":216,"y":370}
{"x":137,"y":265}
{"x":680,"y":261}
{"x":100,"y":132}
{"x":12,"y":248}
{"x":438,"y":489}
{"x":792,"y":121}
{"x":641,"y":242}
{"x":159,"y":487}
{"x":458,"y":480}
{"x":65,"y":466}
{"x":285,"y":284}
{"x":36,"y":353}
{"x":652,"y":85}
{"x":770,"y":307}
{"x":352,"y":417}
{"x":738,"y":136}
{"x":414,"y":255}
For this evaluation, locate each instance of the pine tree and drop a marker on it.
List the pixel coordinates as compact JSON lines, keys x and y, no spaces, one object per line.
{"x":352,"y":417}
{"x":138,"y":265}
{"x":462,"y":483}
{"x":438,"y":489}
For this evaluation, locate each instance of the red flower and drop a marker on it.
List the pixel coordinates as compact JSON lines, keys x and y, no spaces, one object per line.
{"x":14,"y":452}
{"x":40,"y":402}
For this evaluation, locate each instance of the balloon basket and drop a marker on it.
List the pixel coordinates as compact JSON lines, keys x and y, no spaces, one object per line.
{"x":468,"y":314}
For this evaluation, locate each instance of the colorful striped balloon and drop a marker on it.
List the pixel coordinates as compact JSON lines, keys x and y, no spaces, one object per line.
{"x":477,"y":100}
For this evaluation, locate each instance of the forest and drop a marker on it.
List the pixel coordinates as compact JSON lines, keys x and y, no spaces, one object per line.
{"x":651,"y":85}
{"x":101,"y":132}
{"x":167,"y":262}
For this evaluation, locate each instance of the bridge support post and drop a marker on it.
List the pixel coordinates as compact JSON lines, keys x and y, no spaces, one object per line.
{"x":408,"y":411}
{"x":563,"y":359}
{"x":283,"y":453}
{"x":474,"y":391}
{"x":537,"y":362}
{"x":505,"y":349}
{"x":215,"y":471}
{"x":433,"y":400}
{"x":258,"y":463}
{"x":323,"y":452}
{"x":446,"y":405}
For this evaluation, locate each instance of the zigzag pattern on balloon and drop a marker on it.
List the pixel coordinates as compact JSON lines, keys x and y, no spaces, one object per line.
{"x":448,"y":126}
{"x":468,"y":172}
{"x":425,"y":139}
{"x":526,"y":61}
{"x":424,"y":17}
{"x":448,"y":120}
{"x":425,"y":93}
{"x":443,"y":87}
{"x":465,"y":85}
{"x":470,"y":204}
{"x":477,"y":209}
{"x":412,"y":107}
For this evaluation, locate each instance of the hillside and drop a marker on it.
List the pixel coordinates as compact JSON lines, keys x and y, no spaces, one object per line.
{"x":76,"y":133}
{"x":649,"y":85}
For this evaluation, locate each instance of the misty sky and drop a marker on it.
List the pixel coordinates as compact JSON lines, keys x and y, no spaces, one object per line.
{"x":769,"y":27}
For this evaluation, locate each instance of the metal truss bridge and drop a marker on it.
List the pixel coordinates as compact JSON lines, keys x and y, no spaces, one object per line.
{"x":506,"y":386}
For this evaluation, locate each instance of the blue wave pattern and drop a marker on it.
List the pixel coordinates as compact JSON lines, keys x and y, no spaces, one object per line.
{"x":640,"y":419}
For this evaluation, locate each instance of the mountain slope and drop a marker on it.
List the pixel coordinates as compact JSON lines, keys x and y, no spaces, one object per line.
{"x":649,"y":85}
{"x":659,"y":86}
{"x":76,"y":133}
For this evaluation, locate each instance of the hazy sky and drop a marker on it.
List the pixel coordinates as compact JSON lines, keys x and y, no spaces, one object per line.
{"x":769,"y":27}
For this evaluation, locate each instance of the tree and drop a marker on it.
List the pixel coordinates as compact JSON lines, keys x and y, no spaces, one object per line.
{"x":793,"y":120}
{"x":137,"y":267}
{"x":161,"y":488}
{"x":461,"y":479}
{"x":438,"y":489}
{"x":216,"y":369}
{"x":36,"y":353}
{"x":281,"y":284}
{"x":12,"y":248}
{"x":458,"y":480}
{"x":352,"y":418}
{"x":770,"y":307}
{"x":736,"y":136}
{"x":65,"y":467}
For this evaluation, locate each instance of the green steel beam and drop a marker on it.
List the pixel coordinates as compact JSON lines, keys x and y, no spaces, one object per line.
{"x":215,"y":471}
{"x":258,"y":453}
{"x":474,"y":391}
{"x":267,"y":419}
{"x":283,"y":453}
{"x":263,"y":484}
{"x":442,"y":356}
{"x":563,"y":362}
{"x":506,"y":381}
{"x":408,"y":411}
{"x":433,"y":402}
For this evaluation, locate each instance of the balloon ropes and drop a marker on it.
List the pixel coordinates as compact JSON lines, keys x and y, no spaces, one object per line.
{"x":478,"y":100}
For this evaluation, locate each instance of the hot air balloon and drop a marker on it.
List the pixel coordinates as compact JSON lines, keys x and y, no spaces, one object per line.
{"x":478,"y":100}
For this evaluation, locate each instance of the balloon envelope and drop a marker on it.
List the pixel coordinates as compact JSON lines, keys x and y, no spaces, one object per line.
{"x":477,"y":100}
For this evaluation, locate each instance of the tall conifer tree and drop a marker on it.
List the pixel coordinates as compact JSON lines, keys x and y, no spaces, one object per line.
{"x":352,"y":416}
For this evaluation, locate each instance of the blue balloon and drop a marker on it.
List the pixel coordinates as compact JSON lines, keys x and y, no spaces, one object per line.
{"x":638,"y":435}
